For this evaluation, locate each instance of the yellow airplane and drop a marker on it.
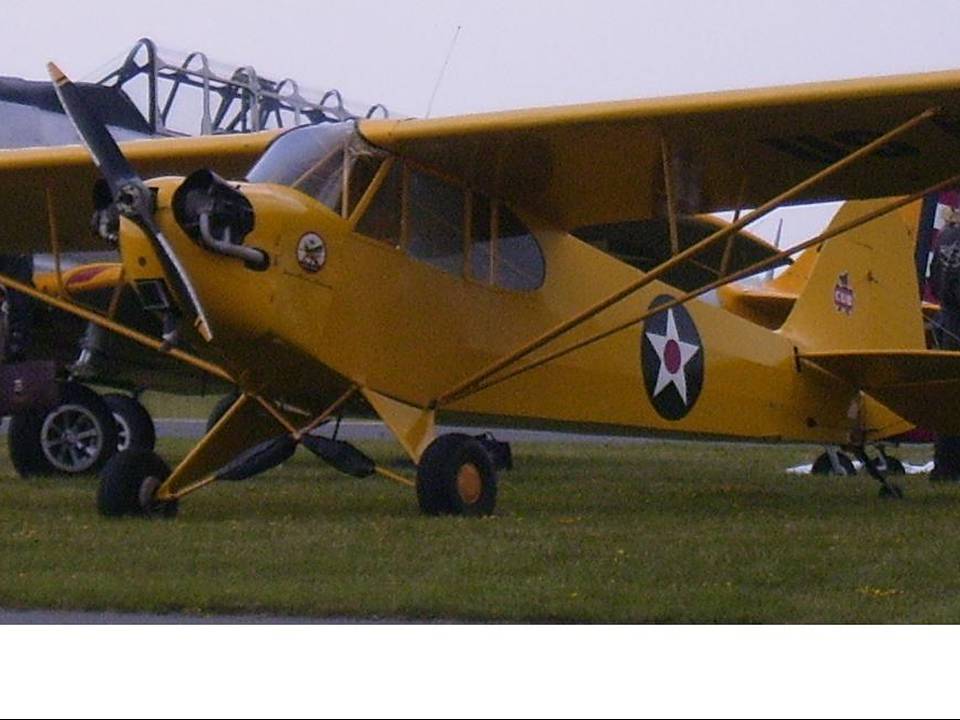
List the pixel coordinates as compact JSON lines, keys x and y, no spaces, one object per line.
{"x":432,"y":270}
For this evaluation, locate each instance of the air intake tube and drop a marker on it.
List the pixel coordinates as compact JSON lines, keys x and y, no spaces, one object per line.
{"x":218,"y":217}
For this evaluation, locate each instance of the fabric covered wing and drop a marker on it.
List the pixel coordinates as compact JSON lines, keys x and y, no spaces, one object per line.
{"x":603,"y":163}
{"x":69,"y":175}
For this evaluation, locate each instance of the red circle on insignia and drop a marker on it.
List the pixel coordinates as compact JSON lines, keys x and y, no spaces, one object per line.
{"x":671,"y":356}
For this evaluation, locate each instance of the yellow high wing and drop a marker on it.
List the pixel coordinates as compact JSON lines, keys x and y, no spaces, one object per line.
{"x":46,"y":193}
{"x":603,"y":163}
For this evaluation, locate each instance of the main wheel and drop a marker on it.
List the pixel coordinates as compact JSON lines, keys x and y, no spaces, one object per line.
{"x":76,"y":436}
{"x":823,"y":466}
{"x":135,"y":428}
{"x":456,"y":476}
{"x":128,"y":484}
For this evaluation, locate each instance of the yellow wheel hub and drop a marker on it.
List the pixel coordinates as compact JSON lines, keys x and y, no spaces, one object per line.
{"x":469,"y":483}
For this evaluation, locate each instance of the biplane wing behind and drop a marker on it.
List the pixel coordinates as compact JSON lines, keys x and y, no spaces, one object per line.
{"x":46,"y":194}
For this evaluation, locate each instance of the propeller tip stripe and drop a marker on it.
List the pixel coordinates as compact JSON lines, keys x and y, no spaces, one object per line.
{"x":56,"y":74}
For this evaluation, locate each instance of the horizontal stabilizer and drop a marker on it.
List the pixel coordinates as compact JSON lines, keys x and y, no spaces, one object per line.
{"x":922,"y":386}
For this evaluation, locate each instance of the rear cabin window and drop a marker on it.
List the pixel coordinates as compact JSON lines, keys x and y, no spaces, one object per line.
{"x":503,"y":252}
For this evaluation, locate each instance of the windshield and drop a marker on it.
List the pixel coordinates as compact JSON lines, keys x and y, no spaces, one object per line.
{"x":308,"y":159}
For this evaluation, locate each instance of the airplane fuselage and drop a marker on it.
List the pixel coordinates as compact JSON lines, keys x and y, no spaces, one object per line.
{"x":369,"y":313}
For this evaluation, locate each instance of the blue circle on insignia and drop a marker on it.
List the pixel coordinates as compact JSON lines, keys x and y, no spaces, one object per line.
{"x":671,"y":357}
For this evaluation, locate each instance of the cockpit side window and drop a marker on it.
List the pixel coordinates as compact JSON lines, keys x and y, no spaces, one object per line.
{"x":323,"y":180}
{"x":381,"y":221}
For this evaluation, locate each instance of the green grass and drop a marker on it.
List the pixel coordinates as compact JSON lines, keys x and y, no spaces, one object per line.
{"x":164,"y":405}
{"x":641,"y":533}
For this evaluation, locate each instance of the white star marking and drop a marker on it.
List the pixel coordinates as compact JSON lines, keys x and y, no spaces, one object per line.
{"x":674,"y":354}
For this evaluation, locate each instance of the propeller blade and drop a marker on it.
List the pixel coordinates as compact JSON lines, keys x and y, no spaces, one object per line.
{"x":116,"y":169}
{"x":258,"y":459}
{"x":341,"y":455}
{"x":131,"y":195}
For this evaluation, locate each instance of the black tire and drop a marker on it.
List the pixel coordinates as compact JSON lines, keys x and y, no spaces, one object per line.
{"x":23,"y":444}
{"x":135,"y":428}
{"x":127,"y":484}
{"x":220,"y":409}
{"x":75,"y":437}
{"x":456,"y":476}
{"x":823,"y":466}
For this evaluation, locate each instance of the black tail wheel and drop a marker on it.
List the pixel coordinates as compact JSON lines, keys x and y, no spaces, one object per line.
{"x":135,"y":428}
{"x":128,"y":484}
{"x":456,"y":476}
{"x":76,"y":436}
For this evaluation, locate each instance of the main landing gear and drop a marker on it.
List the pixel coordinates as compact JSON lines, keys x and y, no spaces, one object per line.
{"x":128,"y":486}
{"x":457,"y":476}
{"x":78,"y":434}
{"x":838,"y":463}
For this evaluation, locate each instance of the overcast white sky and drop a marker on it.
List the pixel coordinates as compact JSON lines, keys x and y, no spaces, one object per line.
{"x":509,"y":53}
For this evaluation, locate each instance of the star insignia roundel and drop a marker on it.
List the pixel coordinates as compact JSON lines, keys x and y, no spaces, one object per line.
{"x":671,"y":355}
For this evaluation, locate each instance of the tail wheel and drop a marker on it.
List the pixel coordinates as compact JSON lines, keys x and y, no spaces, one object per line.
{"x":128,"y":486}
{"x":76,"y":436}
{"x":456,"y":476}
{"x":135,"y":428}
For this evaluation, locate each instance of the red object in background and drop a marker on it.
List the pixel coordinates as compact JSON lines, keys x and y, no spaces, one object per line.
{"x":917,"y":436}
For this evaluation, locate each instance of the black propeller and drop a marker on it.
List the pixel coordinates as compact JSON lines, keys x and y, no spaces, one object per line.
{"x":131,"y":195}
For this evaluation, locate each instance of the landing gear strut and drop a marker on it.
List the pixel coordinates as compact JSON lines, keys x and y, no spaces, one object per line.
{"x":878,"y":470}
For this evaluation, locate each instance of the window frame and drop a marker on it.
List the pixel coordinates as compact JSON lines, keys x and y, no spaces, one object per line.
{"x":407,"y":167}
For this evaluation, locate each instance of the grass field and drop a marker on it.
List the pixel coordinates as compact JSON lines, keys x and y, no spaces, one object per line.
{"x":659,"y":532}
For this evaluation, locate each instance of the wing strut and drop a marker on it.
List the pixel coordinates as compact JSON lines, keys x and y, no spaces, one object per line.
{"x":119,"y":328}
{"x":746,"y":272}
{"x":468,"y":386}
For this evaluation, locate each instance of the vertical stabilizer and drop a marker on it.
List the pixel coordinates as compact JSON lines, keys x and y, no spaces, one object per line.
{"x":862,"y":292}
